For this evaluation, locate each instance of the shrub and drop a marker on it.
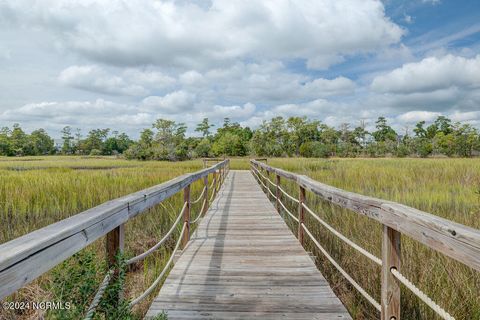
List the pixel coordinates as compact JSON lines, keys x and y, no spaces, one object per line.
{"x":314,"y":149}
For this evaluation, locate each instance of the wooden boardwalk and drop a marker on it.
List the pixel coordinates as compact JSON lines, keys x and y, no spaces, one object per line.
{"x":243,"y":262}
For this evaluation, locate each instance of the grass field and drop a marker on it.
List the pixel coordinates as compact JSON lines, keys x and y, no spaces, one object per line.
{"x":38,"y":191}
{"x":449,"y":188}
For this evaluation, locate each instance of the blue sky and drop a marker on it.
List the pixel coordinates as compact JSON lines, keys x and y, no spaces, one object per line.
{"x":118,"y":64}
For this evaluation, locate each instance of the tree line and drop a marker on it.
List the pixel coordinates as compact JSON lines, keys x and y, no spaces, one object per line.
{"x":277,"y":137}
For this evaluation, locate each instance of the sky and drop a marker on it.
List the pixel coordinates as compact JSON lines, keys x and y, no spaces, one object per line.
{"x":123,"y":64}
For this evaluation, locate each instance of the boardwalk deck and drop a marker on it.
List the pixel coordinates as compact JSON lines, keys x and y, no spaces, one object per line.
{"x":244,"y":263}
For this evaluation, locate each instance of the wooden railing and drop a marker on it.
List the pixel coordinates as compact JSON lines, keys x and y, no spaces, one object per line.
{"x":452,"y":239}
{"x":24,"y":259}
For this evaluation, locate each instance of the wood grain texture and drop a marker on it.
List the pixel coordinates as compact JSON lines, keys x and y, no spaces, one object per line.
{"x":447,"y":237}
{"x":243,"y":262}
{"x":25,"y":258}
{"x":391,"y":258}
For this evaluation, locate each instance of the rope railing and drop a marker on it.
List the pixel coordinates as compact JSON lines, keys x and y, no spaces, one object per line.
{"x":200,"y":213}
{"x":342,"y":271}
{"x":49,"y":246}
{"x":288,"y":196}
{"x":98,"y":296}
{"x":159,"y":244}
{"x":345,"y":239}
{"x":288,"y":211}
{"x":325,"y":253}
{"x":160,"y":276}
{"x":260,"y":180}
{"x":211,"y":197}
{"x":426,"y":230}
{"x":199,"y":197}
{"x":420,"y":294}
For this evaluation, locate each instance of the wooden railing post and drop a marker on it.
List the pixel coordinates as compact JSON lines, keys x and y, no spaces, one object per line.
{"x":264,"y":182}
{"x":277,"y":192}
{"x":214,"y":183}
{"x":205,"y":196}
{"x":301,"y":212}
{"x":186,"y":216}
{"x":267,"y":174}
{"x":114,"y":245}
{"x":391,"y":258}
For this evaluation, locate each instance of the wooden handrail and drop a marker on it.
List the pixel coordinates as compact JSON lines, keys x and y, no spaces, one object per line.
{"x":25,"y":258}
{"x":455,"y":240}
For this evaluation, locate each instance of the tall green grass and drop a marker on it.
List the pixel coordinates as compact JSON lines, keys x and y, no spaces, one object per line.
{"x":48,"y":189}
{"x":37,"y":191}
{"x":449,"y":188}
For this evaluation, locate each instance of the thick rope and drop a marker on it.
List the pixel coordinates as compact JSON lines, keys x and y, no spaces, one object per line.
{"x":419,"y":293}
{"x":155,"y":247}
{"x":200,"y":213}
{"x":273,"y":195}
{"x":288,"y":211}
{"x":343,"y":272}
{"x":159,"y":278}
{"x":199,"y":197}
{"x":211,"y":197}
{"x":259,"y":180}
{"x":96,"y":300}
{"x":289,"y":196}
{"x":345,"y":239}
{"x":264,"y":177}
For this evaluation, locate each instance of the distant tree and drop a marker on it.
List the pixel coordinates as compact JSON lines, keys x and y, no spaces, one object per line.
{"x":18,"y":141}
{"x":204,"y":128}
{"x":360,"y":134}
{"x":300,"y":130}
{"x":384,"y":132}
{"x":41,"y":142}
{"x":444,"y":125}
{"x":95,"y":141}
{"x":5,"y":144}
{"x":203,"y":148}
{"x":67,"y":137}
{"x":314,"y":149}
{"x":419,"y":130}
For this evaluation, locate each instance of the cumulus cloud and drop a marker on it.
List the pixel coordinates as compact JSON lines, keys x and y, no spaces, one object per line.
{"x":415,"y":116}
{"x":169,"y":33}
{"x":131,"y":82}
{"x":175,"y":102}
{"x":244,"y":59}
{"x":93,"y":78}
{"x":431,"y":74}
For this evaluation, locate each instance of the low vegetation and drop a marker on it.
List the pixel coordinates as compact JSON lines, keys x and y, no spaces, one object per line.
{"x":37,"y":191}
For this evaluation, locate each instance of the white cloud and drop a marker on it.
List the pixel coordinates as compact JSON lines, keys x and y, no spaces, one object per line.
{"x":431,"y":74}
{"x":171,"y":33}
{"x":243,"y":59}
{"x":416,"y":116}
{"x":175,"y":102}
{"x":93,"y":78}
{"x":325,"y":88}
{"x":130,"y":82}
{"x":192,"y":78}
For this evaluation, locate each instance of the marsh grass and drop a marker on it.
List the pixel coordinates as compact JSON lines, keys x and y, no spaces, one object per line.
{"x":31,"y":199}
{"x":48,"y":189}
{"x":444,"y":187}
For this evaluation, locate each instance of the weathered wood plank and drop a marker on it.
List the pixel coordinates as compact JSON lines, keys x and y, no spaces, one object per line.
{"x":243,"y":262}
